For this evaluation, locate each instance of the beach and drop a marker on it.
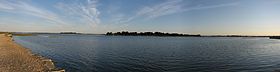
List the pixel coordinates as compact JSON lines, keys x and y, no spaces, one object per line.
{"x":15,"y":58}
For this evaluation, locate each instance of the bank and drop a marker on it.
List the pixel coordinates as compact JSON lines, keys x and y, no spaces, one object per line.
{"x":15,"y":58}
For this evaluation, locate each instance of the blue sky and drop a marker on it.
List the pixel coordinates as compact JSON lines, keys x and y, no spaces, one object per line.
{"x":208,"y":17}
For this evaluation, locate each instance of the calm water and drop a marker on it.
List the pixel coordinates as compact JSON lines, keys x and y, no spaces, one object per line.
{"x":88,"y":53}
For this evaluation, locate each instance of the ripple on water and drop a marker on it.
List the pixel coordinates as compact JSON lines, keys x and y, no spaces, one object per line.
{"x":157,"y":54}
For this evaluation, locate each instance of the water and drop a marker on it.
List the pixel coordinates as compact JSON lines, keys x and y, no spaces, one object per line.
{"x":90,"y":53}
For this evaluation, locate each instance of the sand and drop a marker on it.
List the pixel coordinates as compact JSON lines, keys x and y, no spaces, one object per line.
{"x":15,"y":58}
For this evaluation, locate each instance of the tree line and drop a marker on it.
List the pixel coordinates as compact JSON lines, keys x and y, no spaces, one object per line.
{"x":126,"y":33}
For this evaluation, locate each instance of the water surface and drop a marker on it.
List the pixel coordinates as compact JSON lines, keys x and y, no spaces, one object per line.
{"x":156,"y":54}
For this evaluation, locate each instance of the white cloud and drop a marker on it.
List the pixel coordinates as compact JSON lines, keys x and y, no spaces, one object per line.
{"x":25,"y":8}
{"x":5,"y":6}
{"x":165,"y":8}
{"x":149,"y":12}
{"x":173,"y":6}
{"x":87,"y":11}
{"x":169,"y":7}
{"x":211,"y":6}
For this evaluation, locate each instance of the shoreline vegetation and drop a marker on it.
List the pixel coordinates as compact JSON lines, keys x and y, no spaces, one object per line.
{"x":15,"y":58}
{"x":126,"y":33}
{"x":274,"y":37}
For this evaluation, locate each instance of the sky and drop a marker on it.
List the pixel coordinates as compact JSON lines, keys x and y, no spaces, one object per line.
{"x":206,"y":17}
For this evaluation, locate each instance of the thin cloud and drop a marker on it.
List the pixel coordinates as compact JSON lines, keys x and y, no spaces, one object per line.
{"x":165,"y":8}
{"x":211,"y":6}
{"x":22,"y":7}
{"x":174,"y":6}
{"x":170,"y":7}
{"x":5,"y":6}
{"x":87,"y":11}
{"x":150,"y":12}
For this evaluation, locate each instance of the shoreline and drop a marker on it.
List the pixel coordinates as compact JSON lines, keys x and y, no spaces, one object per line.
{"x":16,"y":58}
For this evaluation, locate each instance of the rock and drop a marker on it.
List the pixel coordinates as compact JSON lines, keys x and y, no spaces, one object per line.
{"x":58,"y":70}
{"x":49,"y":64}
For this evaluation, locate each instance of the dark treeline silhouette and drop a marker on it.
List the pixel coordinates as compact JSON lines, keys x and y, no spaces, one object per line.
{"x":126,"y":33}
{"x":274,"y":37}
{"x":68,"y":33}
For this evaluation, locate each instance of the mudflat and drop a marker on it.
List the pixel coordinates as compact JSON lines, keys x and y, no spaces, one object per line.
{"x":15,"y":58}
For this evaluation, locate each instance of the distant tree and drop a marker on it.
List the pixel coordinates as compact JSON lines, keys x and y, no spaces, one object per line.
{"x":126,"y":33}
{"x":109,"y":33}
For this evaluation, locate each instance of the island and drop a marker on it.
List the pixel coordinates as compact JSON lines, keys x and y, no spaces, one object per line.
{"x":126,"y":33}
{"x":163,"y":34}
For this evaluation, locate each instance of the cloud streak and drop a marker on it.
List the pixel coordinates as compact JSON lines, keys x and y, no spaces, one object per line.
{"x":174,"y":6}
{"x":22,"y":7}
{"x":82,"y":12}
{"x":87,"y":11}
{"x":72,"y":13}
{"x":165,"y":8}
{"x":211,"y":6}
{"x":170,"y":7}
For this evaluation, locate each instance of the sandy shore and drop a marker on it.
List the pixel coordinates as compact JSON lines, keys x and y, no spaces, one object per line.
{"x":15,"y":58}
